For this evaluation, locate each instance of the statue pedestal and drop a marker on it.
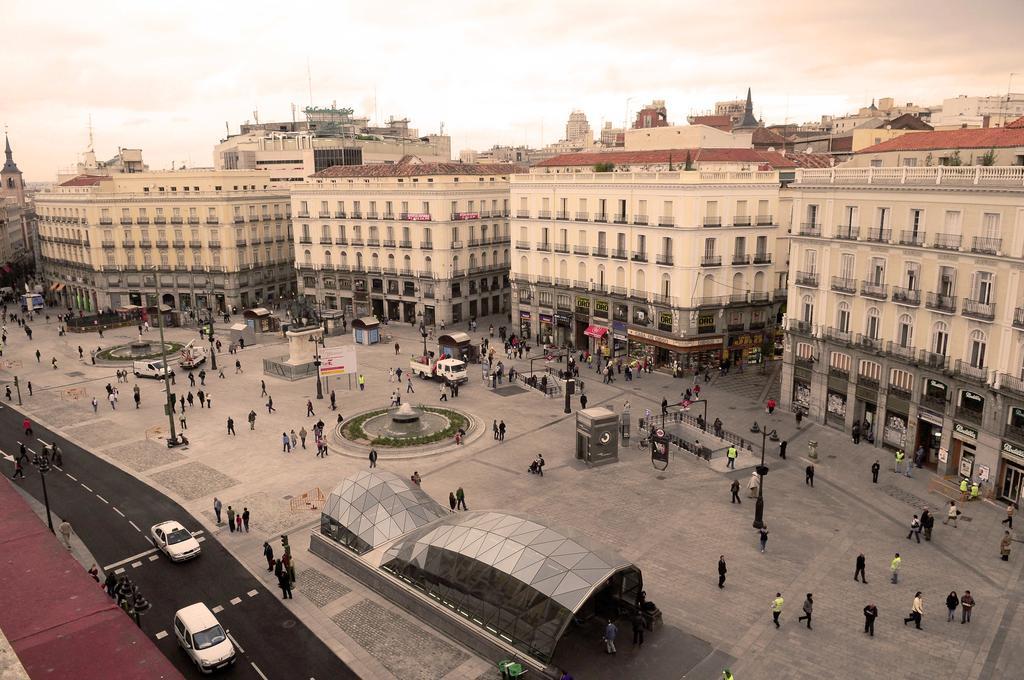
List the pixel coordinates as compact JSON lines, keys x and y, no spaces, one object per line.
{"x":300,"y":362}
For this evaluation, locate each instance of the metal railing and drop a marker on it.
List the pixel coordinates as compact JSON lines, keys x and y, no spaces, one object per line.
{"x":940,"y":303}
{"x":808,"y":279}
{"x":906,"y":296}
{"x":948,"y":241}
{"x":911,"y":238}
{"x":988,"y":246}
{"x":966,"y":370}
{"x":878,"y":291}
{"x":976,"y":309}
{"x":762,"y":258}
{"x":933,"y":360}
{"x":844,"y":285}
{"x":879,"y":235}
{"x":847,"y":232}
{"x":640,"y":219}
{"x":711,"y":261}
{"x":712,"y":221}
{"x":809,"y":229}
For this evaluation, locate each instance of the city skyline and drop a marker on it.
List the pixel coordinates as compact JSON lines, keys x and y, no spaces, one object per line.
{"x":205,"y":66}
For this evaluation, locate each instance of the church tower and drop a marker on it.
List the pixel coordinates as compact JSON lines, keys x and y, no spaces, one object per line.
{"x":11,"y":183}
{"x":748,"y":122}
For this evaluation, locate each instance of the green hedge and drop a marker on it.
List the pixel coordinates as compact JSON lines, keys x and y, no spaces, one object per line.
{"x":353,"y":429}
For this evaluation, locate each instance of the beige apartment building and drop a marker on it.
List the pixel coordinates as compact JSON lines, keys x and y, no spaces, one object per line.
{"x":678,"y":266}
{"x":906,"y":313}
{"x":411,"y":241}
{"x":199,"y":238}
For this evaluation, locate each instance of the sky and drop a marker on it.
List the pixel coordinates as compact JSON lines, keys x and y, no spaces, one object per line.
{"x":166,"y":77}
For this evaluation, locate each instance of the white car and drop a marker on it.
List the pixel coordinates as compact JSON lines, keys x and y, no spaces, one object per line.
{"x":203,"y":638}
{"x":175,"y":541}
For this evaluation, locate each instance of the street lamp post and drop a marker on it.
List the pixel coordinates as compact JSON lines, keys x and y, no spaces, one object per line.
{"x":762,"y":471}
{"x":17,"y":386}
{"x":423,"y":334}
{"x":42,"y":462}
{"x":209,"y":307}
{"x":172,"y":441}
{"x":316,"y":363}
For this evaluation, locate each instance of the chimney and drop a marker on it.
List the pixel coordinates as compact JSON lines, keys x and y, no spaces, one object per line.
{"x":986,"y":121}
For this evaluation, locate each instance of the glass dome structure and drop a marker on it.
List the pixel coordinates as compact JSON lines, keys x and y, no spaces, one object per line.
{"x":375,"y":506}
{"x":511,"y":575}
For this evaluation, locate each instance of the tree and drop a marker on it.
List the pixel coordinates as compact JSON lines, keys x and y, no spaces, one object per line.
{"x":689,"y":162}
{"x":604,"y":167}
{"x":988,"y":158}
{"x":954,"y":160}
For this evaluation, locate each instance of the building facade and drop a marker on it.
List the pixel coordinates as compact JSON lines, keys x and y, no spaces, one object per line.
{"x":676,"y":266}
{"x":410,"y":241}
{"x":905,"y":313}
{"x":193,"y":239}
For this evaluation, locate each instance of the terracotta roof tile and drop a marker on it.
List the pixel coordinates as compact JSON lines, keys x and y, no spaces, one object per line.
{"x":968,"y":138}
{"x":810,"y":160}
{"x":410,"y":166}
{"x":720,"y":122}
{"x":661,"y":156}
{"x":85,"y":181}
{"x":1015,"y":124}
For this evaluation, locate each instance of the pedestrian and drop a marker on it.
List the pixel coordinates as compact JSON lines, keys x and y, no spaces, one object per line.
{"x":638,"y":629}
{"x":855,"y":433}
{"x":263,"y":388}
{"x":362,"y":382}
{"x":38,"y":356}
{"x":285,"y":582}
{"x":898,"y":460}
{"x":444,"y":395}
{"x":278,"y":567}
{"x":966,"y":605}
{"x":583,"y":401}
{"x":460,"y":496}
{"x":29,"y":385}
{"x":763,"y":537}
{"x":894,"y":567}
{"x":808,"y":607}
{"x":270,"y":404}
{"x":915,"y":529}
{"x":408,"y":385}
{"x":770,"y":406}
{"x":859,"y":569}
{"x":501,"y":430}
{"x":734,"y":488}
{"x":238,"y":522}
{"x":952,"y":602}
{"x":334,"y":403}
{"x":373,"y":458}
{"x":110,"y":583}
{"x":809,"y":475}
{"x":309,"y":408}
{"x":610,"y":631}
{"x":731,"y":454}
{"x":19,"y":471}
{"x":95,"y":405}
{"x":782,"y":448}
{"x":927,"y":523}
{"x":396,"y":349}
{"x":286,"y":443}
{"x":238,"y":366}
{"x":664,"y":406}
{"x":231,"y":426}
{"x":721,"y":571}
{"x":494,"y":428}
{"x":216,"y":508}
{"x":952,"y":514}
{"x":727,"y":674}
{"x":1009,"y":516}
{"x":294,"y":438}
{"x":302,"y":436}
{"x":202,"y":377}
{"x":875,"y":467}
{"x":65,"y":533}
{"x":209,"y":400}
{"x":799,"y":418}
{"x":777,"y":609}
{"x":870,"y":614}
{"x":245,"y":519}
{"x":137,"y":397}
{"x":1004,"y":547}
{"x":268,"y":552}
{"x":191,"y":400}
{"x":916,"y":612}
{"x":753,"y":484}
{"x":451,"y":500}
{"x":231,"y":519}
{"x":182,"y":422}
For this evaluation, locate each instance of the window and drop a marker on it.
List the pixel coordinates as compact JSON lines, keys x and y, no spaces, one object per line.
{"x":901,"y":380}
{"x":952,"y":222}
{"x":981,"y":290}
{"x":850,"y":217}
{"x":847,"y":261}
{"x":807,"y":309}
{"x":812,"y":214}
{"x":916,"y":220}
{"x":976,"y":349}
{"x":810,"y":261}
{"x":910,"y":162}
{"x":883,"y":218}
{"x":905,"y":331}
{"x":940,"y":338}
{"x":990,"y":225}
{"x":709,"y":247}
{"x":912,"y":275}
{"x":873,"y":323}
{"x":843,"y":317}
{"x":878,"y":270}
{"x":876,"y":162}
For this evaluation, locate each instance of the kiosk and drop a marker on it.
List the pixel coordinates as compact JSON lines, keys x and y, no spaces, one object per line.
{"x":459,"y":345}
{"x":597,"y":436}
{"x":366,"y":331}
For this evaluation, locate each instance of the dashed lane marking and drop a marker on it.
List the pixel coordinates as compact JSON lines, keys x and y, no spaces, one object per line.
{"x":119,"y":571}
{"x":154,"y":558}
{"x":135,"y":526}
{"x":235,"y":600}
{"x":161,"y":635}
{"x":86,"y":488}
{"x":71,"y":477}
{"x":200,"y":539}
{"x":253,"y":593}
{"x":150,"y":540}
{"x":117,"y":511}
{"x":257,"y":669}
{"x":235,"y":642}
{"x":217,"y":610}
{"x":126,"y":560}
{"x":104,"y":500}
{"x":136,"y":565}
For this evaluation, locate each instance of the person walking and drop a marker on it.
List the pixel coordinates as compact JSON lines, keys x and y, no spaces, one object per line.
{"x":494,"y":428}
{"x":137,"y":397}
{"x":408,"y":385}
{"x":915,"y":529}
{"x":916,"y":612}
{"x":19,"y":470}
{"x":799,"y":418}
{"x":238,"y":523}
{"x":763,"y":537}
{"x":583,"y":405}
{"x":238,"y":366}
{"x":894,"y":567}
{"x":731,"y":454}
{"x":782,"y":447}
{"x":1004,"y":547}
{"x":245,"y":519}
{"x":952,"y":514}
{"x":897,"y":460}
{"x":927,"y":523}
{"x":216,"y":509}
{"x":334,"y":401}
{"x":777,"y":608}
{"x":501,"y":430}
{"x":1009,"y":516}
{"x":285,"y":583}
{"x":952,"y":602}
{"x":65,"y":533}
{"x":268,"y":552}
{"x":753,"y":484}
{"x":302,"y":436}
{"x":451,"y":500}
{"x":734,"y":488}
{"x":286,"y":444}
{"x":721,"y":571}
{"x":362,"y":382}
{"x":638,"y":629}
{"x":808,"y":608}
{"x":263,"y":387}
{"x":309,"y":408}
{"x":183,"y":422}
{"x":855,"y":433}
{"x":809,"y":475}
{"x":231,"y":519}
{"x":252,"y":420}
{"x":966,"y":605}
{"x":231,"y":426}
{"x":294,"y":437}
{"x":870,"y":614}
{"x":610,"y":631}
{"x":373,"y":458}
{"x":95,"y":405}
{"x":460,"y":496}
{"x":444,"y":395}
{"x":859,"y":569}
{"x":270,"y":405}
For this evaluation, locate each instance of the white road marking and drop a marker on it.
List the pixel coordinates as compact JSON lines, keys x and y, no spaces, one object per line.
{"x":129,"y":559}
{"x":161,"y":635}
{"x":102,"y":499}
{"x":253,"y":593}
{"x":119,"y":571}
{"x":115,"y":509}
{"x":198,"y":533}
{"x":86,"y":488}
{"x":135,"y":526}
{"x":136,"y":565}
{"x":217,"y":610}
{"x":57,"y":467}
{"x":71,"y":477}
{"x":7,"y":456}
{"x":235,"y":600}
{"x":257,"y":669}
{"x":154,"y":558}
{"x":200,"y":539}
{"x":150,"y":540}
{"x":41,"y":442}
{"x":235,"y":642}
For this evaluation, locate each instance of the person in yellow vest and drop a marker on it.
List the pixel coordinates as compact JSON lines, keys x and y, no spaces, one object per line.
{"x":894,"y":567}
{"x":777,"y":609}
{"x":899,"y":460}
{"x":975,"y":491}
{"x":732,"y":453}
{"x":727,"y":674}
{"x":963,"y":490}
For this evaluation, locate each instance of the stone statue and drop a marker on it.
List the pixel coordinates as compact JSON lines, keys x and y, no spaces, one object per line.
{"x":303,"y":314}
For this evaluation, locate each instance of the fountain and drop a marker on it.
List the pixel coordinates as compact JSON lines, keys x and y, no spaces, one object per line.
{"x":140,"y":348}
{"x":406,"y":422}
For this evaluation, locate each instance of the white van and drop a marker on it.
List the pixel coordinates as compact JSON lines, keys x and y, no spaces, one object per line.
{"x":150,"y":369}
{"x":203,"y":638}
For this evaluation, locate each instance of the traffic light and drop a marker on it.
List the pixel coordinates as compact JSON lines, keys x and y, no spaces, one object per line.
{"x":285,"y":546}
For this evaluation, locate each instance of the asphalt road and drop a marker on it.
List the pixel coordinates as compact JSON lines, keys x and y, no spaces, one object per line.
{"x":112,"y":512}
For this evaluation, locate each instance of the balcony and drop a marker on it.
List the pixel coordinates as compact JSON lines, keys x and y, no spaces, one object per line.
{"x":1011,"y":383}
{"x":239,"y":242}
{"x":965,"y":370}
{"x":542,"y":214}
{"x":976,"y":309}
{"x":619,"y":291}
{"x":620,"y":219}
{"x":142,"y":220}
{"x":426,"y":245}
{"x":987,"y":246}
{"x":780,"y":294}
{"x":759,"y":297}
{"x":940,"y":303}
{"x":844,"y":285}
{"x":740,"y":259}
{"x":599,"y":251}
{"x":193,"y":219}
{"x":126,"y":220}
{"x":388,"y":243}
{"x":938,"y":362}
{"x":867,"y":343}
{"x":178,"y":243}
{"x":562,"y":215}
{"x":580,"y":250}
{"x":911,"y":238}
{"x":523,"y":214}
{"x":809,"y":229}
{"x":339,"y":214}
{"x":738,"y":299}
{"x":638,"y":294}
{"x":267,"y":238}
{"x":741,"y":221}
{"x":600,"y":217}
{"x":375,"y":243}
{"x":146,"y":243}
{"x":640,"y":219}
{"x":562,"y":283}
{"x":326,"y":240}
{"x":765,"y":221}
{"x":356,"y":215}
{"x":597,"y":287}
{"x":128,"y":243}
{"x":522,"y":245}
{"x":711,"y":261}
{"x":213,"y":220}
{"x":356,"y":241}
{"x":948,"y":241}
{"x":238,"y":219}
{"x":806,"y":279}
{"x":879,"y":235}
{"x":877,"y":291}
{"x":762,"y":258}
{"x":405,"y":244}
{"x":620,"y":254}
{"x":544,"y":247}
{"x":847,"y":232}
{"x":372,"y":215}
{"x":340,"y":241}
{"x":666,"y":221}
{"x":306,"y":240}
{"x":639,"y":256}
{"x":108,"y":244}
{"x":106,"y":220}
{"x":544,"y":280}
{"x":582,"y":216}
{"x":799,"y":327}
{"x":908,"y":354}
{"x":214,"y":245}
{"x":561,"y":247}
{"x":195,"y":244}
{"x":304,"y":214}
{"x":665,"y":260}
{"x":838,"y":335}
{"x":906,"y":296}
{"x":176,"y":219}
{"x":1018,"y":318}
{"x":712,"y":222}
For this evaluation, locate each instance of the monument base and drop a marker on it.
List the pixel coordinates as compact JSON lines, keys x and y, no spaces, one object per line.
{"x":279,"y":367}
{"x":300,"y":362}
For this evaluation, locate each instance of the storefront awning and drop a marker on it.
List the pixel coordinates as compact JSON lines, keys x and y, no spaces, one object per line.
{"x":60,"y":286}
{"x":596,"y":331}
{"x":676,"y":344}
{"x":53,"y":286}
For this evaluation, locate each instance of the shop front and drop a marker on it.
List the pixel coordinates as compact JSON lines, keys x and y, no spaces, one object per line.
{"x":582,"y":318}
{"x":620,"y":340}
{"x":963,"y":450}
{"x":865,"y":409}
{"x":1011,"y":473}
{"x":547,"y":329}
{"x":929,"y":435}
{"x":598,"y":336}
{"x":524,"y":325}
{"x":664,"y":349}
{"x":563,"y":328}
{"x":746,"y":348}
{"x":894,"y":434}
{"x":835,"y":407}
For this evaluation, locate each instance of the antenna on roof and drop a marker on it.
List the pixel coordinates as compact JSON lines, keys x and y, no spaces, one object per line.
{"x":227,"y":129}
{"x":90,"y":133}
{"x":309,"y":81}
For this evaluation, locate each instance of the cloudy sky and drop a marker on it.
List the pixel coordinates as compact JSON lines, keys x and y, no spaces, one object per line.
{"x":167,"y":76}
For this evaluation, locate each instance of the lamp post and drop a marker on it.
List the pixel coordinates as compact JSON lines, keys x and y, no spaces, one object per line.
{"x":42,"y":463}
{"x":423,"y":334}
{"x":316,"y":363}
{"x":762,"y":471}
{"x":209,"y":308}
{"x":172,"y":441}
{"x":17,"y":386}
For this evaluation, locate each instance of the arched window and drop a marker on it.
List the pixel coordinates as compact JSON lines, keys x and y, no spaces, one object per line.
{"x":344,"y":258}
{"x":545,"y":267}
{"x":407,"y":264}
{"x":428,"y":265}
{"x":976,"y":346}
{"x":641,"y":281}
{"x":940,"y":338}
{"x":759,"y":279}
{"x":328,"y":262}
{"x":472,"y":260}
{"x":905,"y":331}
{"x":581,"y":272}
{"x":843,"y":317}
{"x":708,"y":289}
{"x":307,"y":257}
{"x":807,"y":309}
{"x":563,"y":269}
{"x":666,"y":286}
{"x":874,"y":322}
{"x":620,"y":277}
{"x":524,"y":265}
{"x":359,"y":260}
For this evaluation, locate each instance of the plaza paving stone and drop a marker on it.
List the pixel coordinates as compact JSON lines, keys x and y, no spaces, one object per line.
{"x":320,"y":588}
{"x":140,"y":455}
{"x":193,"y":480}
